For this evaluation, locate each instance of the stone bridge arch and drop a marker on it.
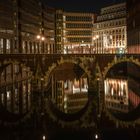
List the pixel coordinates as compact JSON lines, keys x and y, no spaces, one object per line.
{"x":118,"y":122}
{"x":88,"y":118}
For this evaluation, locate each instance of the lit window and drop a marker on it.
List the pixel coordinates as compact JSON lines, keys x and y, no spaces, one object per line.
{"x":7,"y":46}
{"x":23,"y":47}
{"x":1,"y":46}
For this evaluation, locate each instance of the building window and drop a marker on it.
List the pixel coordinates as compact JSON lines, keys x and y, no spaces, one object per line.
{"x":32,"y":48}
{"x":7,"y":46}
{"x":1,"y":46}
{"x":23,"y":47}
{"x":16,"y":68}
{"x":28,"y":47}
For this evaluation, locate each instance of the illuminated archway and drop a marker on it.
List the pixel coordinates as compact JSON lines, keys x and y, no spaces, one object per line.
{"x":83,"y":120}
{"x":117,"y":86}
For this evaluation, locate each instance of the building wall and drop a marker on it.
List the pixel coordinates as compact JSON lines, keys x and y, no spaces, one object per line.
{"x":21,"y":21}
{"x":74,"y":32}
{"x":109,"y":31}
{"x":133,"y":24}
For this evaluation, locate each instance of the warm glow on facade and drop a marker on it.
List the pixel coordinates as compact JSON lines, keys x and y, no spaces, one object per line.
{"x":116,"y":94}
{"x":109,"y":31}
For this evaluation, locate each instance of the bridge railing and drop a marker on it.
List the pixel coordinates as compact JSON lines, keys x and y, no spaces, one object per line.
{"x":4,"y":56}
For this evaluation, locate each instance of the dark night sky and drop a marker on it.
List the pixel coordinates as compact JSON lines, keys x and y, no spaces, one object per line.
{"x":81,"y":5}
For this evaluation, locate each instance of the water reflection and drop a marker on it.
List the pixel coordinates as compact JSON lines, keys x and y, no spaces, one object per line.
{"x":116,"y":94}
{"x":15,"y":89}
{"x":69,"y":88}
{"x":122,"y":92}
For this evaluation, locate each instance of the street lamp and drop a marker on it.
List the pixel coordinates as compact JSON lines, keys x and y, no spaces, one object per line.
{"x":97,"y":36}
{"x":96,"y":136}
{"x":41,"y":39}
{"x":44,"y":137}
{"x":38,"y":36}
{"x":82,"y":46}
{"x":94,"y":39}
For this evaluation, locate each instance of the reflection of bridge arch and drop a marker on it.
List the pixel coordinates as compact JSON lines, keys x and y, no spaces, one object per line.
{"x":84,"y":120}
{"x":120,"y":60}
{"x":48,"y":62}
{"x":15,"y":90}
{"x":105,"y":72}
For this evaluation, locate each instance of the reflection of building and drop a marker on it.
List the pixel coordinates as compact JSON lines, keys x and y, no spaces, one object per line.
{"x":121,"y":94}
{"x":109,"y":32}
{"x":15,"y":89}
{"x":116,"y":94}
{"x":133,"y":26}
{"x":70,"y":95}
{"x":75,"y":102}
{"x":75,"y":95}
{"x":74,"y":32}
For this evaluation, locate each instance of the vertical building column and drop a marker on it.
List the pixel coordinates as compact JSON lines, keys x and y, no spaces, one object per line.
{"x":53,"y":94}
{"x":46,"y":47}
{"x":101,"y":38}
{"x":37,"y":48}
{"x":96,"y":43}
{"x":17,"y":26}
{"x":115,"y":35}
{"x":11,"y":46}
{"x":125,"y":37}
{"x":27,"y":94}
{"x":34,"y":46}
{"x":13,"y":88}
{"x":20,"y":98}
{"x":26,"y":47}
{"x":5,"y":97}
{"x":30,"y":47}
{"x":4,"y":45}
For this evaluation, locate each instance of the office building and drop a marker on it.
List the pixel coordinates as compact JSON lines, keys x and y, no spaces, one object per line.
{"x":26,"y":27}
{"x":133,"y":26}
{"x":109,"y":31}
{"x":74,"y":32}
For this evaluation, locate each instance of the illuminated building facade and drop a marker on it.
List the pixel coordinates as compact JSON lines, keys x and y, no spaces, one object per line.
{"x":26,"y":27}
{"x":74,"y":32}
{"x":133,"y":26}
{"x":109,"y":31}
{"x":120,"y":96}
{"x":116,"y":94}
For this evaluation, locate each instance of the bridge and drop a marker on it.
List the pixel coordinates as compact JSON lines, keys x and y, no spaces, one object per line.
{"x":46,"y":60}
{"x":40,"y":68}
